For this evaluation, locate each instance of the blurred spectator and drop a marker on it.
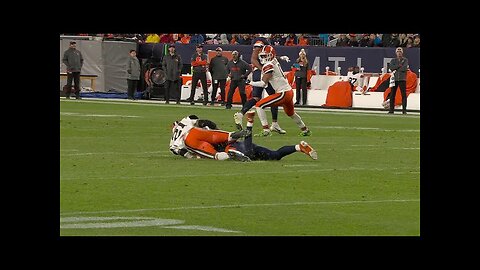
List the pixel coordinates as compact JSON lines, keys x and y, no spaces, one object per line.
{"x":409,"y":42}
{"x":416,"y":41}
{"x":218,"y":69}
{"x":185,"y":39}
{"x":133,"y":76}
{"x":302,"y":41}
{"x":352,"y":40}
{"x":152,"y":38}
{"x":386,"y":39}
{"x":246,"y":40}
{"x":378,"y":40}
{"x":172,"y":65}
{"x":175,"y":38}
{"x":290,"y":40}
{"x":324,"y":39}
{"x":342,"y":41}
{"x":233,"y":40}
{"x":223,"y":39}
{"x":394,"y":41}
{"x":402,"y":40}
{"x":166,"y":38}
{"x":365,"y":41}
{"x":197,"y":39}
{"x":276,"y":40}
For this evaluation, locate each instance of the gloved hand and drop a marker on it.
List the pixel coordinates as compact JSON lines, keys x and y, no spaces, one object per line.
{"x":247,"y":81}
{"x":285,"y":58}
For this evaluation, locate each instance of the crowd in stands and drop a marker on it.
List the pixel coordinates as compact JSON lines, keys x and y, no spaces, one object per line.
{"x":330,"y":40}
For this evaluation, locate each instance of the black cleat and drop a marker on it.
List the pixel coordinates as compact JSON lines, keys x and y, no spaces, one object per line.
{"x":240,"y":134}
{"x":237,"y":155}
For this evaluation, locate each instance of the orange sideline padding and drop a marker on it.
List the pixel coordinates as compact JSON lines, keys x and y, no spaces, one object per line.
{"x":339,"y":95}
{"x":411,"y":87}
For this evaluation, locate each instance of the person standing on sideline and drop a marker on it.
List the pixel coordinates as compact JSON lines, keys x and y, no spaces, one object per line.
{"x":218,"y":69}
{"x":172,"y":65}
{"x":199,"y":64}
{"x":301,"y":77}
{"x":238,"y":72}
{"x":399,"y":68}
{"x":133,"y":76}
{"x":73,"y":59}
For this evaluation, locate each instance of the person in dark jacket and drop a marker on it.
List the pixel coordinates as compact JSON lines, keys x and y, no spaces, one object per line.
{"x":238,"y":72}
{"x":133,"y":74}
{"x":73,"y":59}
{"x":172,"y":65}
{"x":399,"y":66}
{"x":218,"y":69}
{"x":199,"y":64}
{"x":301,"y":77}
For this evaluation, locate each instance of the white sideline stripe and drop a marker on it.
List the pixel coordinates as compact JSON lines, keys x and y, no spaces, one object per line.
{"x":97,"y":115}
{"x":236,"y":174}
{"x":365,"y":128}
{"x":116,"y":153}
{"x":301,"y":165}
{"x":239,"y":205}
{"x":198,"y":106}
{"x":200,"y":228}
{"x":134,"y":222}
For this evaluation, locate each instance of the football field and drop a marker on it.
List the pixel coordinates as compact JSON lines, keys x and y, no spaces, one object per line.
{"x":118,"y":178}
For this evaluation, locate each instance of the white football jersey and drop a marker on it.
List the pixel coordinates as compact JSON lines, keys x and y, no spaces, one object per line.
{"x":278,"y":81}
{"x":179,"y":133}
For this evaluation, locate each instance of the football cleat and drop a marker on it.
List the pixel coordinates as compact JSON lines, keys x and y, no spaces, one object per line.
{"x":237,"y":155}
{"x":308,"y":150}
{"x":240,"y":134}
{"x":264,"y":133}
{"x":276,"y":127}
{"x":238,"y":118}
{"x":305,"y":133}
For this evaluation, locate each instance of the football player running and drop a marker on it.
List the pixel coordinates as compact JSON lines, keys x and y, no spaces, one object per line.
{"x":272,"y":73}
{"x":257,"y":92}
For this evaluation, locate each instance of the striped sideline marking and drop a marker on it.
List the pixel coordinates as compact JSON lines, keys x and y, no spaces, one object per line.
{"x":379,"y":113}
{"x":238,"y":206}
{"x":97,"y":115}
{"x":365,"y":128}
{"x":90,"y":223}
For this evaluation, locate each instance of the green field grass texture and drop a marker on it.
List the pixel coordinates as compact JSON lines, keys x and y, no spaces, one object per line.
{"x":117,"y":176}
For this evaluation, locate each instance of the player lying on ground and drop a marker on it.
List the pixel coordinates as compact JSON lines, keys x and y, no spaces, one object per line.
{"x":256,"y":152}
{"x":198,"y":138}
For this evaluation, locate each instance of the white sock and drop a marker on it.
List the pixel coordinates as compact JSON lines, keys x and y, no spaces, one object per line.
{"x":297,"y":147}
{"x":298,"y":120}
{"x":262,"y":115}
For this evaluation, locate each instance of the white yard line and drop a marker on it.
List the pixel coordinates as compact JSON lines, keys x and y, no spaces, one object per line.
{"x":236,"y":174}
{"x":239,"y":206}
{"x":98,"y":115}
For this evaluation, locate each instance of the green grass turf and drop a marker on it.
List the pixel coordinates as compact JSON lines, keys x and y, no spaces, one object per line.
{"x":366,"y":181}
